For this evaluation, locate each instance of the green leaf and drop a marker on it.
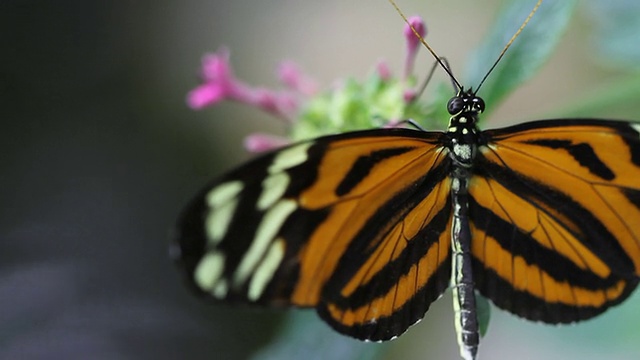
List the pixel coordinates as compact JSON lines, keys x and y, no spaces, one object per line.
{"x":616,"y":26}
{"x":527,"y":53}
{"x":617,"y":99}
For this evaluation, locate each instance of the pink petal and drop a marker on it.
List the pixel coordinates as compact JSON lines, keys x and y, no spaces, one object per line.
{"x":256,"y":143}
{"x":383,"y":70}
{"x":287,"y":103}
{"x":413,"y":42}
{"x":204,"y":95}
{"x":216,"y":66}
{"x":266,"y":100}
{"x":417,"y":24}
{"x":291,"y":75}
{"x":280,"y":104}
{"x":409,"y":95}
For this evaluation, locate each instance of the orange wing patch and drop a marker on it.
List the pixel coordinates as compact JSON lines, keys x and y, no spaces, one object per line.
{"x":388,"y":174}
{"x":527,"y":272}
{"x":552,"y":211}
{"x":591,"y":165}
{"x":399,"y":279}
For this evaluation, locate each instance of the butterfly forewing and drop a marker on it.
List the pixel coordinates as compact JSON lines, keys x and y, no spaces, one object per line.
{"x":554,"y":212}
{"x":355,"y":225}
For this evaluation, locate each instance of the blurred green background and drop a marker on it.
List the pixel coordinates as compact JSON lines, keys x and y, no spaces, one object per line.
{"x":99,"y":153}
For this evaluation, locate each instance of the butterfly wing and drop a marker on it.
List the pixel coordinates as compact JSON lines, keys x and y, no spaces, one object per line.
{"x":355,"y":225}
{"x":555,"y":210}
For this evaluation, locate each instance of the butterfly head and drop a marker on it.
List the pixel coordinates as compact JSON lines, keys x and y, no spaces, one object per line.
{"x":464,"y":109}
{"x":465,"y":102}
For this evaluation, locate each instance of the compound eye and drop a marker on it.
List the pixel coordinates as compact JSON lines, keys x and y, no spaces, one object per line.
{"x":478,"y":104}
{"x":455,"y":105}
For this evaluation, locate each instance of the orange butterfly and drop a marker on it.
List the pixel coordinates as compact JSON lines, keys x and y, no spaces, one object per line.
{"x":370,"y":227}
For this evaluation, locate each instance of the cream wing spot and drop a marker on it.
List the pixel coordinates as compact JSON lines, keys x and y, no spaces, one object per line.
{"x":223,"y":193}
{"x":209,"y":270}
{"x":273,"y":187}
{"x":290,"y":157}
{"x":267,"y":268}
{"x":222,"y":202}
{"x":271,"y":222}
{"x":218,"y":220}
{"x":221,"y":289}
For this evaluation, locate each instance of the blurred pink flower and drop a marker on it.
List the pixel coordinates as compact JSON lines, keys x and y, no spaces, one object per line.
{"x":257,"y":142}
{"x":290,"y":74}
{"x":347,"y":102}
{"x":219,"y":83}
{"x":413,"y":42}
{"x":382,"y":68}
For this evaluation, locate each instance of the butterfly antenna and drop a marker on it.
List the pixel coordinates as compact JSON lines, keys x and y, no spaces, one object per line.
{"x":422,"y":40}
{"x":506,"y":47}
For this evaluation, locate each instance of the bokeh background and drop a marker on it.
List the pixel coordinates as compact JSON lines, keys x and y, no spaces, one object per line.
{"x":99,"y":153}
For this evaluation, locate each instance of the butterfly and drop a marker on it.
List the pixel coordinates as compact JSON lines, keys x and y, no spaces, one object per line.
{"x":370,"y":227}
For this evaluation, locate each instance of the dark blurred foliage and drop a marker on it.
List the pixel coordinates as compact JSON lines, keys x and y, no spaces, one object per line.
{"x":92,"y":179}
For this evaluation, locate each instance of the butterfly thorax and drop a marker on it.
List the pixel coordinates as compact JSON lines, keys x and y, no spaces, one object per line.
{"x":464,"y":108}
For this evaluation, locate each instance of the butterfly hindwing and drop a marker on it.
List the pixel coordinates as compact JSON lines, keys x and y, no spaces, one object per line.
{"x":355,"y":225}
{"x":554,"y":211}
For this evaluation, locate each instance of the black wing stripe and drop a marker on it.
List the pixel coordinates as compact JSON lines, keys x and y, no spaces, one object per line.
{"x":522,"y":303}
{"x":378,"y":226}
{"x":349,"y":214}
{"x":569,"y":211}
{"x":387,"y":327}
{"x":582,"y":153}
{"x":363,"y":165}
{"x":520,"y":244}
{"x":386,"y":279}
{"x":633,"y":196}
{"x":357,"y":296}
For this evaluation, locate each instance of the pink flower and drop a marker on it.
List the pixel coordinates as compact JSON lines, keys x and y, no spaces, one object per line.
{"x":280,"y":104}
{"x":413,"y":42}
{"x":258,"y":142}
{"x":382,"y":68}
{"x":307,"y":113}
{"x":291,"y":75}
{"x":219,"y":83}
{"x":409,"y":95}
